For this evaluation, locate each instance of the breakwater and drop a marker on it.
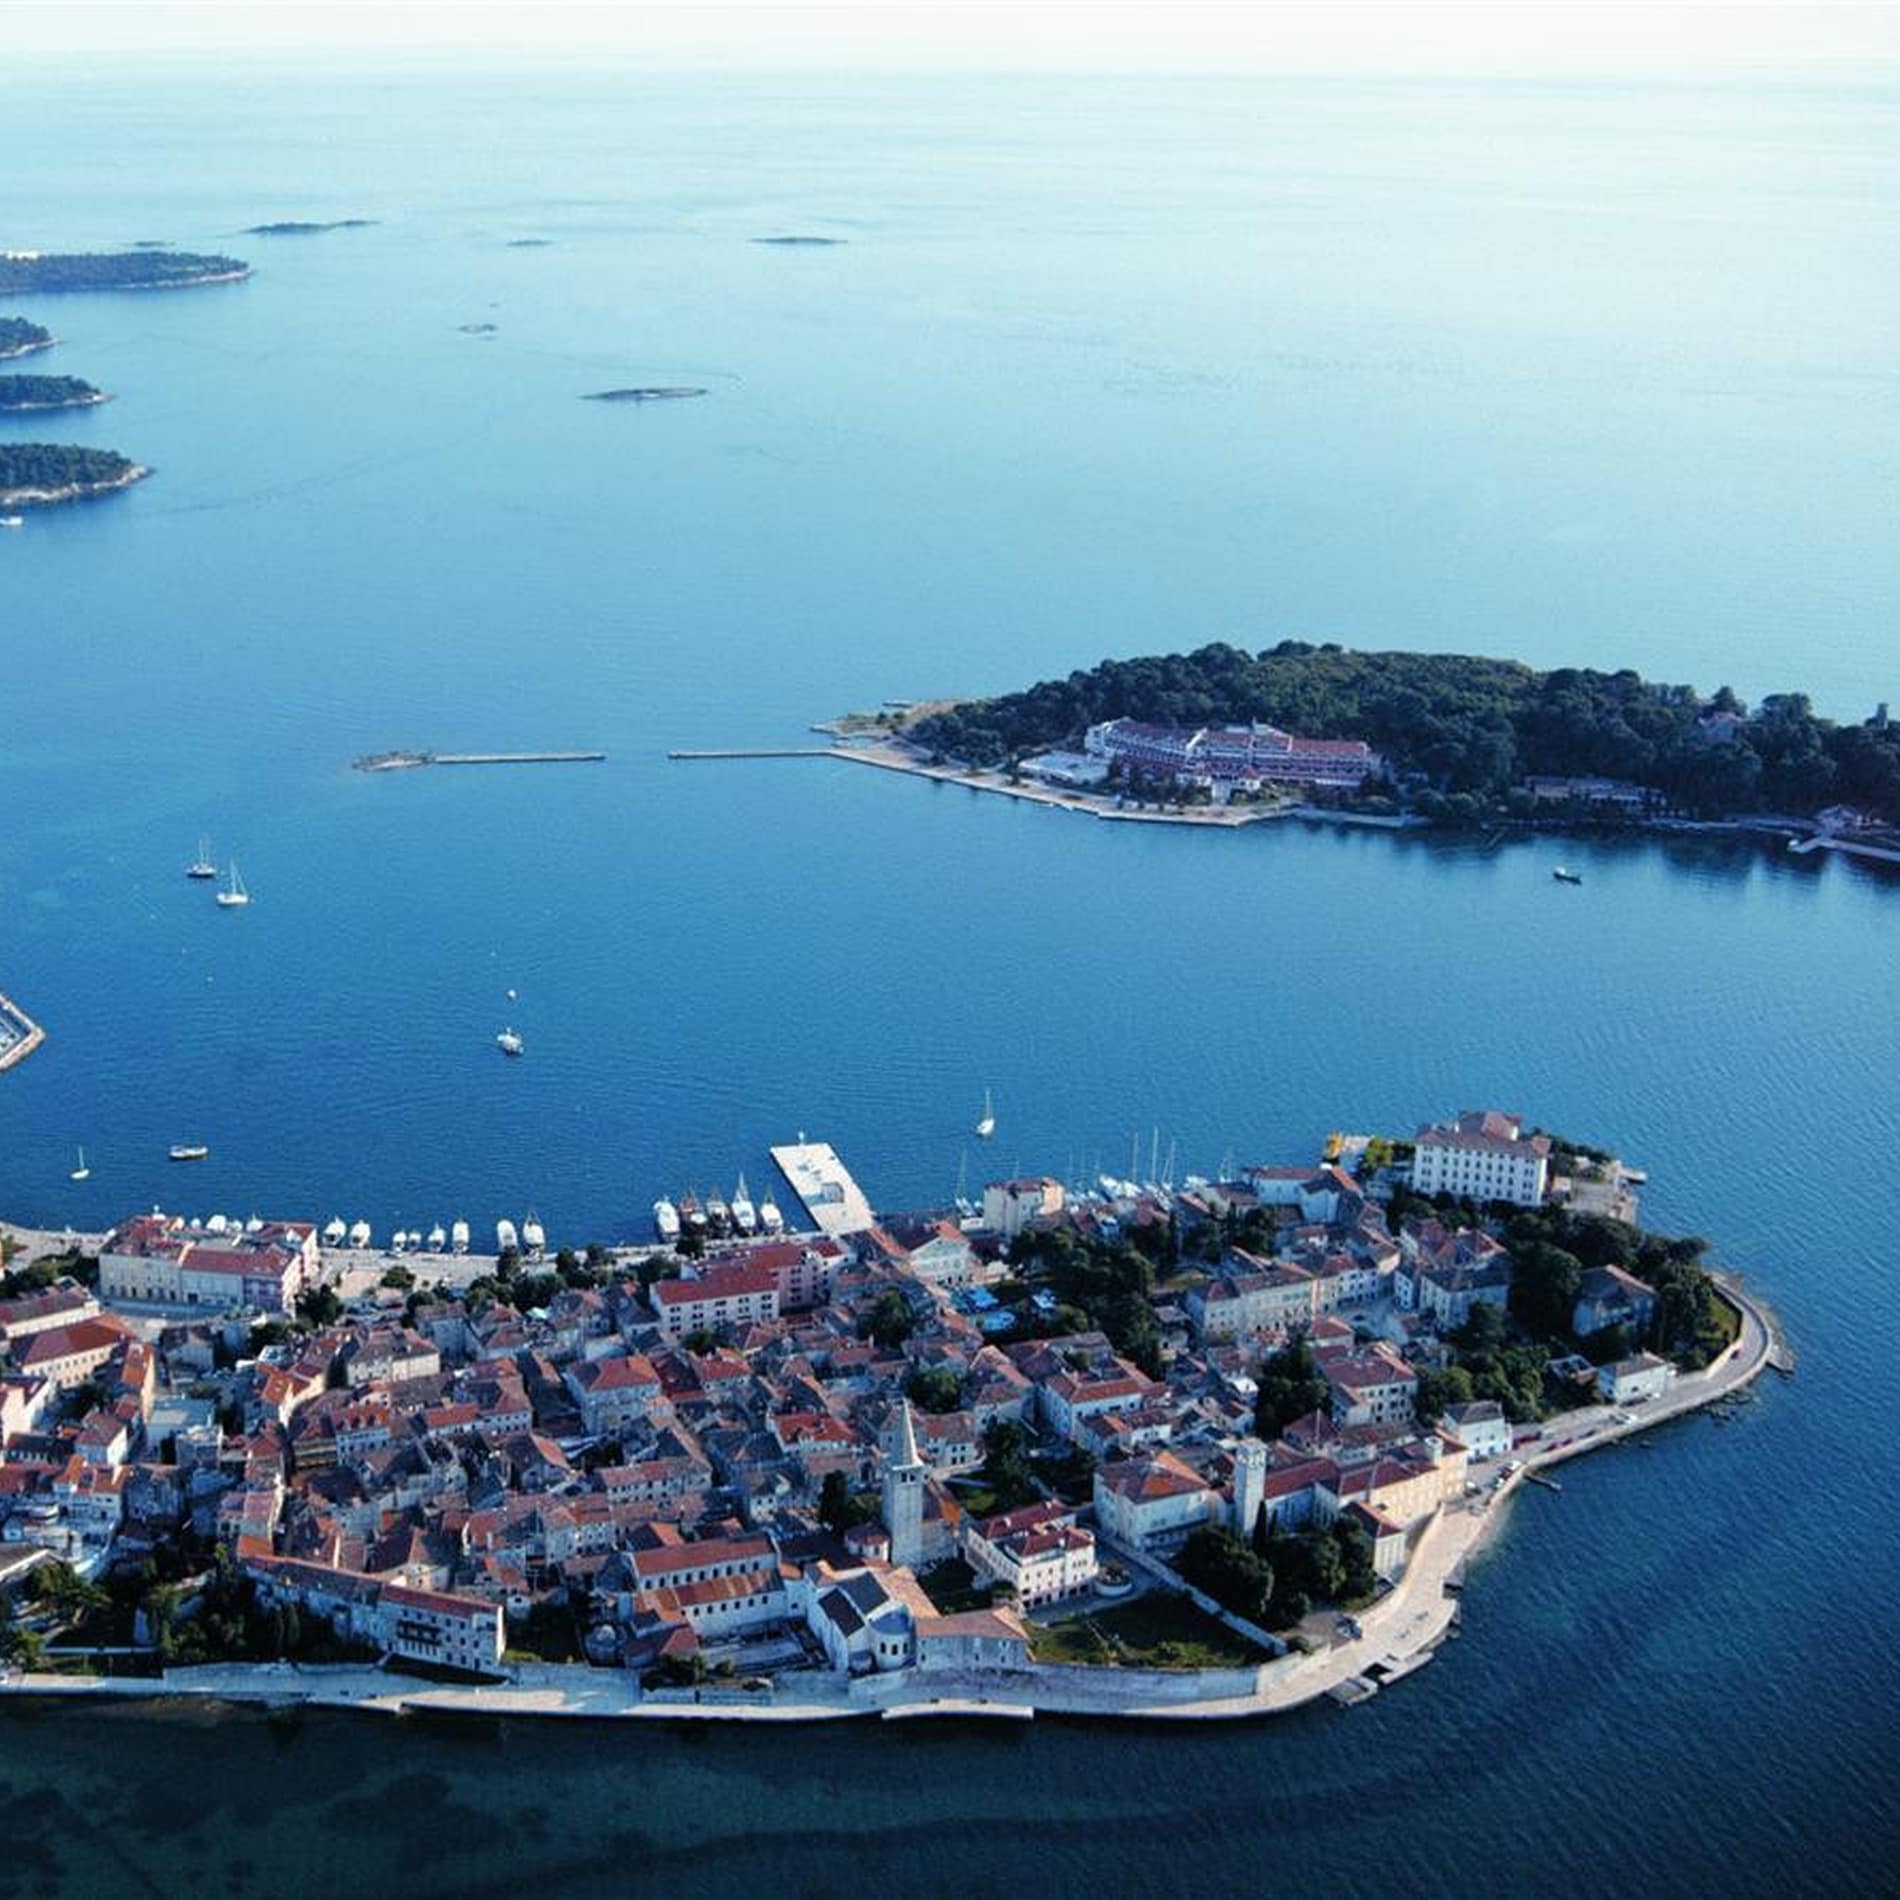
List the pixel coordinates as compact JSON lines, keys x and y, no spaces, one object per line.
{"x":412,"y":761}
{"x":20,"y":1035}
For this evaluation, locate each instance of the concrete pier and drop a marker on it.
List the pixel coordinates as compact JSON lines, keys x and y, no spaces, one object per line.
{"x":833,"y":1200}
{"x":20,"y":1035}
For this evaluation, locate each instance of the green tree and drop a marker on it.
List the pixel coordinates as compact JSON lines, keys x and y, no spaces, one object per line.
{"x":890,"y":1321}
{"x":936,"y":1389}
{"x":1224,"y":1567}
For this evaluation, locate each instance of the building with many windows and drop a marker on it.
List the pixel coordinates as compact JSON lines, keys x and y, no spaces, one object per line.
{"x":1239,"y":758}
{"x":1482,"y":1155}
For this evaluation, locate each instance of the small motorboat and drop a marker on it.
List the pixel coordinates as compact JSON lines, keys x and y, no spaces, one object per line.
{"x":509,"y":1043}
{"x":1566,"y":876}
{"x":188,"y":1151}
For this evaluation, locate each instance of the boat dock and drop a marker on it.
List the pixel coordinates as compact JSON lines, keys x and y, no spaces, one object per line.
{"x":411,"y":761}
{"x":20,"y":1035}
{"x":832,"y":1199}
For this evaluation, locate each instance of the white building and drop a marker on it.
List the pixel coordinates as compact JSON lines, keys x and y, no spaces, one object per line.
{"x":1010,"y":1206}
{"x":1631,"y":1381}
{"x":1482,"y":1155}
{"x":1154,"y":1502}
{"x":1480,"y":1427}
{"x":1040,"y":1552}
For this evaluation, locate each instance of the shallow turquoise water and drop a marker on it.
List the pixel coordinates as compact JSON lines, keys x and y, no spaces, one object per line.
{"x":1571,"y":373}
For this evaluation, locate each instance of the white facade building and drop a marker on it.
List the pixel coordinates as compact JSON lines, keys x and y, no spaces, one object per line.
{"x":1482,"y":1156}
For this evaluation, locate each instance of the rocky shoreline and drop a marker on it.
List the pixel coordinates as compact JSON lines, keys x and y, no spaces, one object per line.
{"x":70,"y":491}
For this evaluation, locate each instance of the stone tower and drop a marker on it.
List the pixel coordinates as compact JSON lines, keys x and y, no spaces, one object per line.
{"x":904,"y":1488}
{"x":1250,"y":1484}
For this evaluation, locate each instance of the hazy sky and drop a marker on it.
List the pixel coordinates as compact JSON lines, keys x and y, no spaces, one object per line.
{"x":1654,"y":38}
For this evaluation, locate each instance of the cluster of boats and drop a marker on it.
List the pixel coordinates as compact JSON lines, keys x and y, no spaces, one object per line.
{"x":714,"y":1218}
{"x":529,"y":1238}
{"x":204,"y":868}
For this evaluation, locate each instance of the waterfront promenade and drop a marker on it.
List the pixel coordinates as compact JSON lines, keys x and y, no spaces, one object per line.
{"x":1395,"y":1635}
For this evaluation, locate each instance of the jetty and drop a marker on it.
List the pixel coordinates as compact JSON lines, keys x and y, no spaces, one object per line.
{"x":413,"y":761}
{"x":834,"y":1202}
{"x":20,"y":1035}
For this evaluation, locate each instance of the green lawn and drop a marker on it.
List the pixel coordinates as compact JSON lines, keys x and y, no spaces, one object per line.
{"x":1152,"y":1632}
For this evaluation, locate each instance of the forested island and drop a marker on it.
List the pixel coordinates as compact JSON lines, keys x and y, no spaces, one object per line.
{"x":25,"y":271}
{"x":1460,"y":735}
{"x":20,"y":394}
{"x":796,"y":239}
{"x":38,"y":474}
{"x":305,"y":227}
{"x":21,"y":338}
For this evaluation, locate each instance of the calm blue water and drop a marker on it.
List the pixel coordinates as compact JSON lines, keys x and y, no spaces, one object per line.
{"x":1574,"y":374}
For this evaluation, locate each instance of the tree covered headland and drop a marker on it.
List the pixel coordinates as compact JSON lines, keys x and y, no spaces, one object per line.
{"x":115,"y":270}
{"x":46,"y":392}
{"x":1469,"y":727}
{"x":29,"y":465}
{"x":18,"y":337}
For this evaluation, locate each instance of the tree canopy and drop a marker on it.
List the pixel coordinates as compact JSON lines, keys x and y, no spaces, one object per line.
{"x":18,"y":337}
{"x":46,"y":392}
{"x":1465,"y":724}
{"x":30,"y":271}
{"x":47,"y":465}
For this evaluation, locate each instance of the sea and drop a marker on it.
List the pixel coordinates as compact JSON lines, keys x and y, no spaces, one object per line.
{"x":1580,"y":374}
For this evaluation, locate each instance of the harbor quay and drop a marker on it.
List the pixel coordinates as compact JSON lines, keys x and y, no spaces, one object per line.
{"x":20,"y":1035}
{"x":1132,"y":1449}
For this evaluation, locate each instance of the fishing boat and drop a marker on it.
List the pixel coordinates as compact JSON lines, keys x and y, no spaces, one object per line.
{"x":438,"y":1238}
{"x":718,"y":1214}
{"x":335,"y":1233}
{"x":771,"y":1220}
{"x":509,"y":1043}
{"x":533,"y":1237}
{"x":398,"y":1241}
{"x":458,"y":1236}
{"x":745,"y":1216}
{"x":506,"y":1239}
{"x":1564,"y":875}
{"x":188,"y":1151}
{"x":692,"y":1215}
{"x":234,"y":896}
{"x":666,"y":1220}
{"x":360,"y":1234}
{"x":986,"y":1122}
{"x":204,"y":865}
{"x":81,"y":1172}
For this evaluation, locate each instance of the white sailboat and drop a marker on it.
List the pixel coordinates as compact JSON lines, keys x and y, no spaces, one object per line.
{"x":771,"y":1220}
{"x":335,"y":1232}
{"x":666,"y":1220}
{"x":533,"y":1236}
{"x":506,"y":1239}
{"x":986,"y":1122}
{"x":745,"y":1216}
{"x":359,"y":1234}
{"x":458,"y":1236}
{"x":438,"y":1237}
{"x":82,"y":1172}
{"x":204,"y":865}
{"x":234,"y":896}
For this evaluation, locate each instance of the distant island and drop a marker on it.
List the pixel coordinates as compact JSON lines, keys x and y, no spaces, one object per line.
{"x":1435,"y":735}
{"x":529,"y":244}
{"x":304,"y":227}
{"x":649,"y":393}
{"x":478,"y":329}
{"x":22,"y":272}
{"x":796,"y":238}
{"x":21,"y":394}
{"x":21,"y":338}
{"x":42,"y":474}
